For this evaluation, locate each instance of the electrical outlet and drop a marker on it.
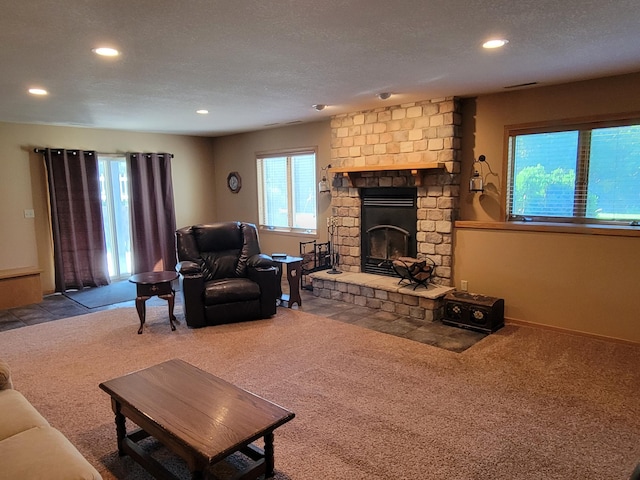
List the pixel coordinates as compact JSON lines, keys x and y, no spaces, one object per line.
{"x":29,"y":213}
{"x":464,"y":285}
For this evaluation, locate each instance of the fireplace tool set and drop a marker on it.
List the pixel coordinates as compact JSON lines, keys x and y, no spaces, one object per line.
{"x":332,"y":226}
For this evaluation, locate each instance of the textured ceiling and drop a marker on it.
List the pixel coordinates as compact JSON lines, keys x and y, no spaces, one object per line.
{"x":254,"y":63}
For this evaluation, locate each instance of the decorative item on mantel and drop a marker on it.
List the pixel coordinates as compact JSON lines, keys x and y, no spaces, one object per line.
{"x":332,"y":226}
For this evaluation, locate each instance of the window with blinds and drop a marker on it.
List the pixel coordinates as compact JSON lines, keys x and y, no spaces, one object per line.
{"x":586,"y":173}
{"x":287,"y":191}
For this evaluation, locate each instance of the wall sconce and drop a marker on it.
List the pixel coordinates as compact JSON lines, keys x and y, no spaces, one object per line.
{"x":476,"y":184}
{"x":323,"y":185}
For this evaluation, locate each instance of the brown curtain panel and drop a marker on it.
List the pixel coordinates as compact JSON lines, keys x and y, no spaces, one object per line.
{"x":152,"y":212}
{"x":79,"y":248}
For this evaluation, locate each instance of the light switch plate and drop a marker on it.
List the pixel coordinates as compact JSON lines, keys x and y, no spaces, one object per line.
{"x":29,"y":213}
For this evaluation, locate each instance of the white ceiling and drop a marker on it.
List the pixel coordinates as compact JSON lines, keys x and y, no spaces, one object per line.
{"x":253,"y":63}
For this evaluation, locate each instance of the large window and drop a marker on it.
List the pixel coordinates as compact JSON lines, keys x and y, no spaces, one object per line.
{"x":587,"y":173}
{"x":287,"y":191}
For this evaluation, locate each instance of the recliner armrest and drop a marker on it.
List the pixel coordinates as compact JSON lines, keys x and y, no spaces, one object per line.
{"x":260,"y":274}
{"x":192,"y":286}
{"x":267,"y":279}
{"x":188,"y":268}
{"x":261,"y":260}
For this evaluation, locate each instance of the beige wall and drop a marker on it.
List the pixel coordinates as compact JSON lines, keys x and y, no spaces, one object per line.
{"x":585,"y":283}
{"x":238,"y":153}
{"x":26,"y":242}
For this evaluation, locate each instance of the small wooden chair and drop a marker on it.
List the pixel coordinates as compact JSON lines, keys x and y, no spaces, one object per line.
{"x":414,"y":270}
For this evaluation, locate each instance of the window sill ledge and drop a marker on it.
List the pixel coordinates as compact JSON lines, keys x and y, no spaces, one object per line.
{"x":289,"y":231}
{"x":550,"y":227}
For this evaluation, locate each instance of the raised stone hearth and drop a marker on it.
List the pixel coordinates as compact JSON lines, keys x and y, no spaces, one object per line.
{"x":382,"y":292}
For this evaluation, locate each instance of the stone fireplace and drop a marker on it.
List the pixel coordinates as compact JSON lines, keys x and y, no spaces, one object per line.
{"x":413,"y":147}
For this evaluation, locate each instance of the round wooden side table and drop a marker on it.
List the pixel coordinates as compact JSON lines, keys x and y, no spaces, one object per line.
{"x":151,"y":284}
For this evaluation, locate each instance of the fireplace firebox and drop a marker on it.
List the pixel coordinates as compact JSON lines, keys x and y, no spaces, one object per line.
{"x":388,"y":227}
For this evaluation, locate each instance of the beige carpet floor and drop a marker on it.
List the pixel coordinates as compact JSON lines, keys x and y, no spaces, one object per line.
{"x":522,"y":403}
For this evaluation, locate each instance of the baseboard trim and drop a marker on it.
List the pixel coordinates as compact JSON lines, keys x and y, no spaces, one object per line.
{"x":524,"y":323}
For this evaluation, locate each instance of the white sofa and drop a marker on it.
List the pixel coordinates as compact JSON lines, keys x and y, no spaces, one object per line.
{"x":30,"y":448}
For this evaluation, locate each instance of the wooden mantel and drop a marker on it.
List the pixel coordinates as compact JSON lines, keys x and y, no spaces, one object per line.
{"x":416,"y":169}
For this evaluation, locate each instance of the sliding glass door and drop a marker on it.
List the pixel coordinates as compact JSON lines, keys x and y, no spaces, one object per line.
{"x":114,"y":192}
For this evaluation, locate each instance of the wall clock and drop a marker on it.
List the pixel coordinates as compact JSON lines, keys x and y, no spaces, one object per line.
{"x":234,"y":182}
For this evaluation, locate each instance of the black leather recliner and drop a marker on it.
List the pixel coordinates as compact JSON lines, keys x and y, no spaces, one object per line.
{"x":223,"y":276}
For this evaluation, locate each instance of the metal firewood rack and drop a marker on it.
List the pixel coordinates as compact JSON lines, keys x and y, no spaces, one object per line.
{"x":315,"y":256}
{"x":414,"y":270}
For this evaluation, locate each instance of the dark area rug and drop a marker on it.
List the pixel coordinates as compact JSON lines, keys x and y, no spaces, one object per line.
{"x":95,"y":297}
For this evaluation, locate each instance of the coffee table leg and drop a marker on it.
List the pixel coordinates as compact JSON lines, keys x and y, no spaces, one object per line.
{"x":121,"y":428}
{"x":268,"y":455}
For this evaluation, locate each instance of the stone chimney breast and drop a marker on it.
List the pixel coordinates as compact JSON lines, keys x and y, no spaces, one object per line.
{"x":371,"y":142}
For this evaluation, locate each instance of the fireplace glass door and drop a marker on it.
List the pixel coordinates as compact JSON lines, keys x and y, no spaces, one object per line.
{"x":388,"y":228}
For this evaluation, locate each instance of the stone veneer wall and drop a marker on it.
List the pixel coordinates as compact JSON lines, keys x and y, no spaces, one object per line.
{"x":413,"y":133}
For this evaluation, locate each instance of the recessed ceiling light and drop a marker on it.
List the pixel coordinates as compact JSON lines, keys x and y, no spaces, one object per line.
{"x":38,"y":91}
{"x":106,"y":52}
{"x":495,"y":43}
{"x":202,"y":111}
{"x":383,"y":95}
{"x":319,"y":106}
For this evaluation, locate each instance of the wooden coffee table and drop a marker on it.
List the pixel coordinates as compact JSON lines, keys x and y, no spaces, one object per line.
{"x":198,"y":416}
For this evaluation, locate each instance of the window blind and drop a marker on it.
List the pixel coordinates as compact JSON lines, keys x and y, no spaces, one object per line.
{"x":287,"y":191}
{"x":586,"y":174}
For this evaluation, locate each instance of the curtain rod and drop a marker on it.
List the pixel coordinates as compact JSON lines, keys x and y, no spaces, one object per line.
{"x":43,"y":150}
